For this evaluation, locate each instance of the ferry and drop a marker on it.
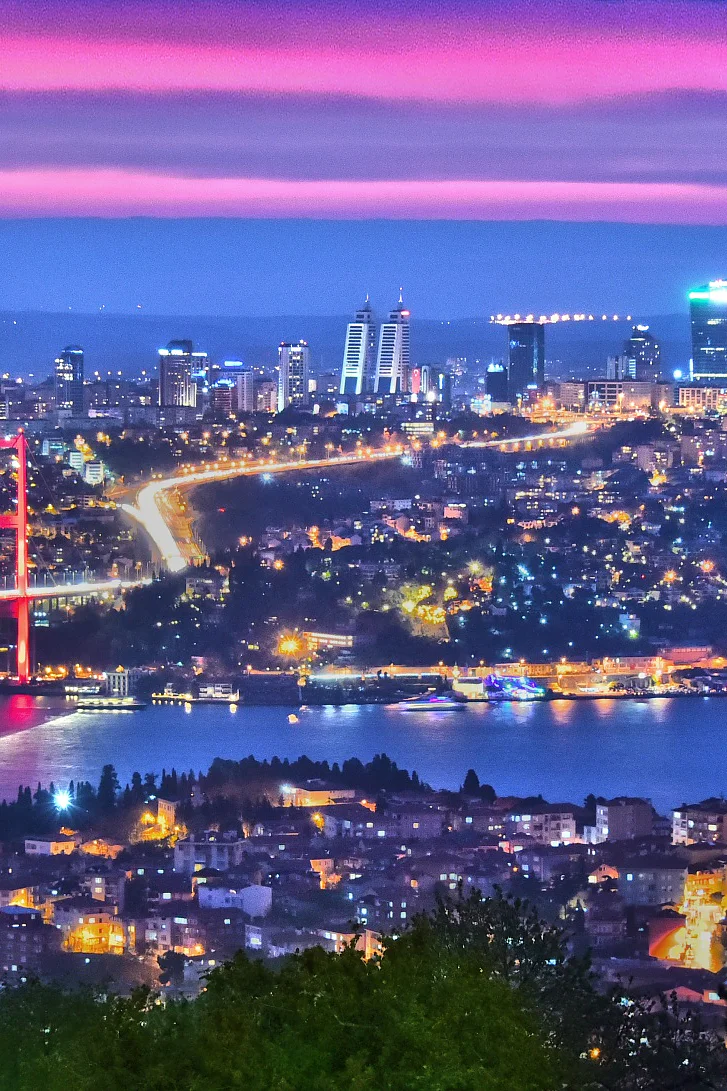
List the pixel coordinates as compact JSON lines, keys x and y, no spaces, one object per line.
{"x":432,"y":702}
{"x":219,"y":693}
{"x":103,"y":703}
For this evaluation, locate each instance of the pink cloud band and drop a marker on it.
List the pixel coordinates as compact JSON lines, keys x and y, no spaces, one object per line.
{"x":118,"y":193}
{"x":516,"y":67}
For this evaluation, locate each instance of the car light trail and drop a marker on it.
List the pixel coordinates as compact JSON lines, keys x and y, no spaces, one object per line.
{"x":148,"y":512}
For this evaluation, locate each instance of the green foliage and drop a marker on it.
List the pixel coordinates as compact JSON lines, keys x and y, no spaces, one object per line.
{"x":480,"y":996}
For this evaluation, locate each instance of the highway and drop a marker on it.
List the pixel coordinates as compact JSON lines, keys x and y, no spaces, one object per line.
{"x":154,"y":515}
{"x":152,"y":511}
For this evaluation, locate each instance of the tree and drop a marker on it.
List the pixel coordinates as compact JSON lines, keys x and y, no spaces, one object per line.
{"x":471,"y":786}
{"x":108,"y":786}
{"x":478,"y":996}
{"x":171,"y":965}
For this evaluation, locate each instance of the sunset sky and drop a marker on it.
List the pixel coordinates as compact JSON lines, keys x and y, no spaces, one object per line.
{"x":549,"y":109}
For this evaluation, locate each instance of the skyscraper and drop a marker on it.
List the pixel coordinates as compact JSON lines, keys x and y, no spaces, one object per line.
{"x":69,"y":380}
{"x":496,"y":382}
{"x":359,"y":351}
{"x":643,"y":352}
{"x":708,"y":308}
{"x":293,"y":368}
{"x":392,"y":360}
{"x":526,"y":367}
{"x":176,"y":386}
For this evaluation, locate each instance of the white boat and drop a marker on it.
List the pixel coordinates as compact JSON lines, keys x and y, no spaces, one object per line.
{"x":432,"y":702}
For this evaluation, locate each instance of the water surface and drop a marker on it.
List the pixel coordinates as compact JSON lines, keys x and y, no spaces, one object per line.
{"x":670,"y":750}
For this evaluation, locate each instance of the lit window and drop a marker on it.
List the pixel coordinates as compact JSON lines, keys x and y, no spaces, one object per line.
{"x":468,"y":819}
{"x":629,"y":877}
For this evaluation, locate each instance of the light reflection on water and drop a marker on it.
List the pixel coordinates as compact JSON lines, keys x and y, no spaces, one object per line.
{"x":668,"y":750}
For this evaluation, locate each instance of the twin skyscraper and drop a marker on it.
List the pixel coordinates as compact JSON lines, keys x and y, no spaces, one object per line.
{"x":374,"y":365}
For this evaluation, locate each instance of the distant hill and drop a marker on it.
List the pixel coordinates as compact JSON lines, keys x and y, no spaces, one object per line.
{"x":128,"y":342}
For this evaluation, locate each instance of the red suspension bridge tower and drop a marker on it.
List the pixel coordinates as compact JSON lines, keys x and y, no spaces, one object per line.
{"x":20,"y":604}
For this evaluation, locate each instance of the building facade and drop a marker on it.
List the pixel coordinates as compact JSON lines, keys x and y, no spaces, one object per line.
{"x":176,"y":385}
{"x":708,"y":311}
{"x":69,"y":380}
{"x":293,"y":370}
{"x":393,"y":357}
{"x":359,"y":352}
{"x":643,"y":355}
{"x":526,"y":360}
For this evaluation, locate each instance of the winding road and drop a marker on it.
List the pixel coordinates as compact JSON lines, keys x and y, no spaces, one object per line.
{"x":153,"y":511}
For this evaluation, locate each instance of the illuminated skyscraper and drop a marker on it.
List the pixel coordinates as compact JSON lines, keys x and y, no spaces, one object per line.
{"x":69,"y":380}
{"x":392,"y":360}
{"x":708,"y":307}
{"x":293,"y":368}
{"x":496,"y":382}
{"x":245,"y":383}
{"x":359,"y":352}
{"x":176,"y":385}
{"x":526,"y":368}
{"x":643,"y":352}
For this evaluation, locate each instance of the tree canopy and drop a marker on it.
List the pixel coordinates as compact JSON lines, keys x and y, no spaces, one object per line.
{"x":479,"y":996}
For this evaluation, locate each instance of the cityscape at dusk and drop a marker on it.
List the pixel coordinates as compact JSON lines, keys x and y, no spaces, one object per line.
{"x":363,"y":545}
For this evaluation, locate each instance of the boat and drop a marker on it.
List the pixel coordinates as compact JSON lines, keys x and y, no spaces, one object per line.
{"x":219,"y":693}
{"x":432,"y":702}
{"x":514,"y":688}
{"x":104,"y":703}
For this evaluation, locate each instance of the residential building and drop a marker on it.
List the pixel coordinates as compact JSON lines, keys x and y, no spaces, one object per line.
{"x":652,"y":880}
{"x":245,"y":391}
{"x":700,"y":822}
{"x":623,"y":818}
{"x":190,"y":855}
{"x":546,"y":823}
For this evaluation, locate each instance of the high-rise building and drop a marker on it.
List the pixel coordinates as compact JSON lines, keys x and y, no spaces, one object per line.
{"x":266,"y":396}
{"x":176,"y":385}
{"x":708,"y":307}
{"x":359,"y":352}
{"x":245,"y":382}
{"x":620,"y":367}
{"x":420,"y":379}
{"x":69,"y":380}
{"x":293,"y":368}
{"x":526,"y":367}
{"x":392,"y":360}
{"x":496,"y":382}
{"x":643,"y":352}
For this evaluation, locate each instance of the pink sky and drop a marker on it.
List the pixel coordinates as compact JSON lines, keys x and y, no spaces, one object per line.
{"x":99,"y":116}
{"x":119,"y":193}
{"x":517,"y":67}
